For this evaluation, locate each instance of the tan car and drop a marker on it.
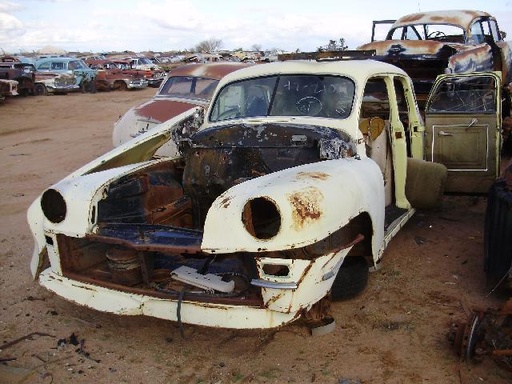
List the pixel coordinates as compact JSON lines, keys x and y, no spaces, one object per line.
{"x":283,"y":195}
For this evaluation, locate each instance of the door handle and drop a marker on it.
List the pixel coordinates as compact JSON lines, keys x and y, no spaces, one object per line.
{"x":443,"y":133}
{"x":474,"y":120}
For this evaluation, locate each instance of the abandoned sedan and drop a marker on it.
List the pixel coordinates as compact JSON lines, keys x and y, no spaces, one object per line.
{"x":184,"y":88}
{"x":428,"y":44}
{"x":289,"y":188}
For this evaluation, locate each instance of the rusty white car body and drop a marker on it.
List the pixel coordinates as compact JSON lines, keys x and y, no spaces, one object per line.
{"x":54,"y":83}
{"x":8,"y":88}
{"x":284,"y":182}
{"x":184,"y":88}
{"x":428,"y":44}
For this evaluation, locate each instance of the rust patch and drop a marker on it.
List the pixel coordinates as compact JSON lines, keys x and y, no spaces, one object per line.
{"x":210,"y":70}
{"x":460,"y":18}
{"x":162,"y":110}
{"x":312,"y":175}
{"x":306,"y":206}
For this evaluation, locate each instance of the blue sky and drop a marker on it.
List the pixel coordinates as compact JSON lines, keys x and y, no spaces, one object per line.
{"x":163,"y":25}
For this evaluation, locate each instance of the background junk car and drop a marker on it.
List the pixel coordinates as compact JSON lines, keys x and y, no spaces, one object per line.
{"x":55,"y":83}
{"x":24,"y":73}
{"x":83,"y":74}
{"x":153,"y":73}
{"x":8,"y":88}
{"x":289,"y":188}
{"x":184,"y":88}
{"x":111,"y":76}
{"x":428,"y":44}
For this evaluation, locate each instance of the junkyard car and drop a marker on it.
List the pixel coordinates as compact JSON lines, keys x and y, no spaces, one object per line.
{"x":23,"y":73}
{"x":428,"y":44}
{"x":83,"y":74}
{"x":54,"y":83}
{"x":291,"y":184}
{"x":111,"y":76}
{"x":153,"y":73}
{"x":184,"y":88}
{"x":8,"y":88}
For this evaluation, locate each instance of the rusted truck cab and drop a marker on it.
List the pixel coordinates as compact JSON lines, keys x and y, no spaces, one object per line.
{"x":429,"y":44}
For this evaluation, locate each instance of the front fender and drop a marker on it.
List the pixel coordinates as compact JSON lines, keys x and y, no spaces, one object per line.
{"x":35,"y":220}
{"x":313,"y":201}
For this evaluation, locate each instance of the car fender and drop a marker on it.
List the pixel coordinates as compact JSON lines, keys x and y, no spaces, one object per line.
{"x":313,"y":201}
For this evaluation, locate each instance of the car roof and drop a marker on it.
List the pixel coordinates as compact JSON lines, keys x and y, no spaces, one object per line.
{"x":44,"y":59}
{"x":215,"y":70}
{"x":462,"y":18}
{"x":361,"y":69}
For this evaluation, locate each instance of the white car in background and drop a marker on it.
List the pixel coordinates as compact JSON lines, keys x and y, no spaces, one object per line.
{"x":184,"y":88}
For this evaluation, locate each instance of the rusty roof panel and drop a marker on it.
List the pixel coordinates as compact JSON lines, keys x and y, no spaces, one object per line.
{"x":209,"y":70}
{"x":462,"y":18}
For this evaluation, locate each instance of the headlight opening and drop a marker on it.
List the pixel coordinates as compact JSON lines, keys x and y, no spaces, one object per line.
{"x":261,"y":218}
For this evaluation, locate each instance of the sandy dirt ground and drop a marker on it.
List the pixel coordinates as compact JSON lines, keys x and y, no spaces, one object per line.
{"x":394,"y":332}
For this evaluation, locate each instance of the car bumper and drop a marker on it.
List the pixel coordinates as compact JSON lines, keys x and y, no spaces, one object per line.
{"x":121,"y":303}
{"x":62,"y":88}
{"x":138,"y":84}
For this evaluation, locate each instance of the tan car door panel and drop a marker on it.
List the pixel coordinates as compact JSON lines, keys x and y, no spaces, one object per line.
{"x":462,"y":116}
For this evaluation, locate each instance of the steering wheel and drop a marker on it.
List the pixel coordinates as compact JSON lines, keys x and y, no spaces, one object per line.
{"x":309,"y":106}
{"x":436,"y":34}
{"x":230,"y":113}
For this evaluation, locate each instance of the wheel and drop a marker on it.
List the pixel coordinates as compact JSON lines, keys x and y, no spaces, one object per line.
{"x":40,"y":90}
{"x":121,"y":86}
{"x":88,"y":86}
{"x":351,"y":279}
{"x":231,"y":113}
{"x":436,"y":35}
{"x":309,"y":106}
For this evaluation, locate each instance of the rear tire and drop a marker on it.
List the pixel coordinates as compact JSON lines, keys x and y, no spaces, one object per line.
{"x":351,"y":280}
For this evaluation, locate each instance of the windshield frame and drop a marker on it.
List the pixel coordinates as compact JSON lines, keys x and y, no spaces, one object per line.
{"x":285,"y":95}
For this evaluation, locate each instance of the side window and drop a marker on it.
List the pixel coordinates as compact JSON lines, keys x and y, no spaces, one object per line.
{"x":57,"y":66}
{"x":44,"y":66}
{"x":396,"y":34}
{"x":466,"y":95}
{"x":375,"y":100}
{"x":487,"y":31}
{"x":411,"y":34}
{"x":495,"y":31}
{"x":403,"y":106}
{"x":477,"y":33}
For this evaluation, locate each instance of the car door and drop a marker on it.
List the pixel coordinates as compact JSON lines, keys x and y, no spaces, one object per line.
{"x":463,"y":120}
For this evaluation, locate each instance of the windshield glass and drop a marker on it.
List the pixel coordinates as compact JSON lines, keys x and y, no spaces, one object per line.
{"x":145,"y":60}
{"x":286,"y":95}
{"x":188,"y":87}
{"x":444,"y":32}
{"x":77,"y":64}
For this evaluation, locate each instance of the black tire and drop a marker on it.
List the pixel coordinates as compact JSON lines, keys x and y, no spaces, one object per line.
{"x":351,"y":280}
{"x":497,"y":229}
{"x":40,"y":90}
{"x":121,"y":86}
{"x":88,"y":86}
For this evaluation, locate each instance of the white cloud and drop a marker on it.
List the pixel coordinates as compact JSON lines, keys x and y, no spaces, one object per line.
{"x":180,"y":24}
